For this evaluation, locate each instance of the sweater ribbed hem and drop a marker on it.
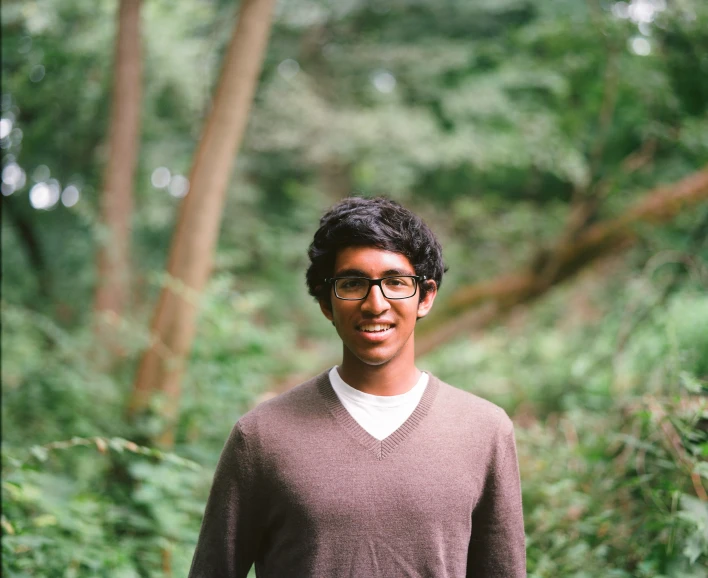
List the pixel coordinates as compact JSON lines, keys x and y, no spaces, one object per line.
{"x":384,"y":447}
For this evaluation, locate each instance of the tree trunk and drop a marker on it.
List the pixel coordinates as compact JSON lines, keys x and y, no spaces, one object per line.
{"x":117,"y":199}
{"x":192,"y":249}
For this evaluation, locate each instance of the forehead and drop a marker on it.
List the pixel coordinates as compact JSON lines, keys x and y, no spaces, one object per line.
{"x":371,"y":262}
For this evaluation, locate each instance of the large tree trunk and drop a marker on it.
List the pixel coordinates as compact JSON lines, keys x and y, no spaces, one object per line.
{"x":113,"y":287}
{"x":192,"y":249}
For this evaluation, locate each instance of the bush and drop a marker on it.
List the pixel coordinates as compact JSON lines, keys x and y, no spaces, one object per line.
{"x":611,"y":421}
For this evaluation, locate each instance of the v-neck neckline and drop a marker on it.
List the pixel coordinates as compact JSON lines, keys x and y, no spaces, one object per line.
{"x":384,"y":447}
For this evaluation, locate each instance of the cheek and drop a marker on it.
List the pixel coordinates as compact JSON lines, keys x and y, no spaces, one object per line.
{"x":339,"y":316}
{"x":407,"y":317}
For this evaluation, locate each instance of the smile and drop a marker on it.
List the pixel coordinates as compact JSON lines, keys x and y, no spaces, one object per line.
{"x":375,"y":327}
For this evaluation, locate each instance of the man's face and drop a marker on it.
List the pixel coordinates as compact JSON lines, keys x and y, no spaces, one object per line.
{"x":376,"y":330}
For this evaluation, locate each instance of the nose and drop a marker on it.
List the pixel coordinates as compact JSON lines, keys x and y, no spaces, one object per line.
{"x":375,"y":303}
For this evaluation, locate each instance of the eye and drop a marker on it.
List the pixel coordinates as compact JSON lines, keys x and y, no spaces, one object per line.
{"x":398,"y":282}
{"x":351,"y":283}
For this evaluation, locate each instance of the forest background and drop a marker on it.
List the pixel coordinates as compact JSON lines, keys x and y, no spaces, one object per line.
{"x":559,"y":148}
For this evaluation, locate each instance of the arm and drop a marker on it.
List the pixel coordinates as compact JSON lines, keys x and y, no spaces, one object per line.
{"x":497,"y":545}
{"x":229,"y":536}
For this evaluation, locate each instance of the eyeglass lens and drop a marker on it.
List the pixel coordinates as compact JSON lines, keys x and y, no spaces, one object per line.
{"x":392,"y":287}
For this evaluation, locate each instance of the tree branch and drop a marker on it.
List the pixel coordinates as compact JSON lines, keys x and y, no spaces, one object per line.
{"x":480,"y":305}
{"x":460,"y":313}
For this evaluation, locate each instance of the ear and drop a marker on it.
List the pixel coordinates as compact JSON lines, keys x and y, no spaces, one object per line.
{"x":426,"y":304}
{"x":326,"y":310}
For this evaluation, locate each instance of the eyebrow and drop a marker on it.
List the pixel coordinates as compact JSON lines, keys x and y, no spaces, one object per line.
{"x":360,"y":273}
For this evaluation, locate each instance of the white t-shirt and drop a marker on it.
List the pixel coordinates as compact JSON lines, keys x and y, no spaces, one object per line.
{"x":380,"y":415}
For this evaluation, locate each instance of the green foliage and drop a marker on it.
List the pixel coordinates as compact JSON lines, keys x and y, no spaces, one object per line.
{"x":51,"y":384}
{"x":613,"y":496}
{"x":612,"y":426}
{"x":486,"y":117}
{"x":108,"y":510}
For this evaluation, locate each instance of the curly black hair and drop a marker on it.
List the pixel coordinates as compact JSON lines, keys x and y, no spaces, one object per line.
{"x":372,"y":222}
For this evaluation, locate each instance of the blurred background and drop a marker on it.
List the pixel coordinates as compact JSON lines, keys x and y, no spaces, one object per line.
{"x":559,"y":149}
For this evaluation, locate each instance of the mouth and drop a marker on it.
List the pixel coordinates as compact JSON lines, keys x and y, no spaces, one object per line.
{"x":375,"y":327}
{"x":375,"y":332}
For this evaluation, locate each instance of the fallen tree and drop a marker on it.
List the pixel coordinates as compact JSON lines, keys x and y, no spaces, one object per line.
{"x":479,"y":305}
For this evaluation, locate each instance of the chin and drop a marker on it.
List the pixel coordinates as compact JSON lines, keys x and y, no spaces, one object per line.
{"x":374,"y":360}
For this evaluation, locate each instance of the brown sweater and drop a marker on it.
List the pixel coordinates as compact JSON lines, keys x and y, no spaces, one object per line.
{"x":303,"y":491}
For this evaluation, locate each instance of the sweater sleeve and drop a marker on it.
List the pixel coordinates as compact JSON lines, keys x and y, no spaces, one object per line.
{"x":229,"y":536}
{"x":497,"y":545}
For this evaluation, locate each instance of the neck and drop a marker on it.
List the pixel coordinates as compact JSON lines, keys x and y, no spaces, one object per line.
{"x":394,"y":377}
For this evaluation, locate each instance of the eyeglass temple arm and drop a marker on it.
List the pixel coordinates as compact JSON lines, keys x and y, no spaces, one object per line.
{"x":416,"y":277}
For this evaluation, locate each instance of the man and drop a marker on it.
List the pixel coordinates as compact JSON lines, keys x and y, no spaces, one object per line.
{"x":372,"y":468}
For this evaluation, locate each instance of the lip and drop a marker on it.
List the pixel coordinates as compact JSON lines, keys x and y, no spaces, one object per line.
{"x":377,"y":336}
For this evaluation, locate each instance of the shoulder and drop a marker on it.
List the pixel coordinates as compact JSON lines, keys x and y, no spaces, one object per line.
{"x":463,"y":407}
{"x":287,"y":409}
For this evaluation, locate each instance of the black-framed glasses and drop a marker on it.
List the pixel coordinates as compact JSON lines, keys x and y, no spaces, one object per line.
{"x":358,"y":288}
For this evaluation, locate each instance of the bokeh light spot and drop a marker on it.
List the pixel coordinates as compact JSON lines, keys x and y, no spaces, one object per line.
{"x":639,"y":45}
{"x":179,"y":186}
{"x":160,"y":177}
{"x":383,"y":81}
{"x":639,"y":11}
{"x":642,"y":10}
{"x":5,"y":127}
{"x":621,"y":10}
{"x":13,"y":178}
{"x":70,"y":196}
{"x":25,"y":45}
{"x":288,"y":69}
{"x":40,"y":174}
{"x":37,"y":73}
{"x":44,"y":195}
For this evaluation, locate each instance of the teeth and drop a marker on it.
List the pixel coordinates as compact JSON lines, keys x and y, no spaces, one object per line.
{"x":374,"y":327}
